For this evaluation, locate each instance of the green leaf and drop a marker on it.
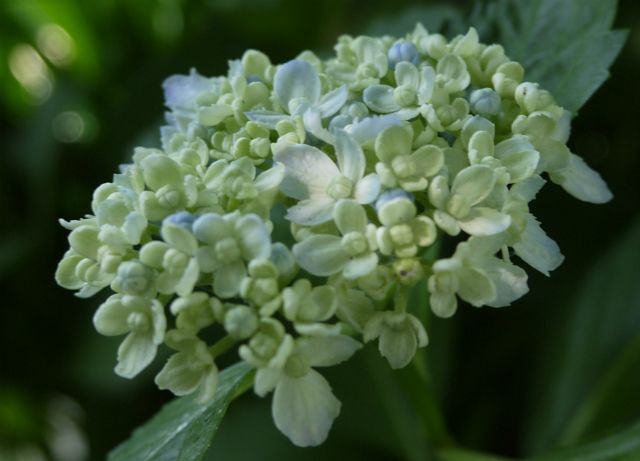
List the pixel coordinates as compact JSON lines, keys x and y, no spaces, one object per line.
{"x":183,"y":429}
{"x":566,"y":46}
{"x":623,"y":446}
{"x":590,"y":353}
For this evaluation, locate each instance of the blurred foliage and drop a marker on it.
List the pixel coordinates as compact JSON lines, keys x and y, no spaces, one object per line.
{"x":80,"y":86}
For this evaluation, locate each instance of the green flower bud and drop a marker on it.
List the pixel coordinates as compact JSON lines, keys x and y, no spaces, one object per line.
{"x":240,"y":322}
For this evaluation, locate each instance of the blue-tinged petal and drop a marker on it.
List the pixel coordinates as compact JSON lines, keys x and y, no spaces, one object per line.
{"x":254,"y":237}
{"x":366,"y":130}
{"x":296,"y":79}
{"x":367,"y":189}
{"x":379,"y":98}
{"x":333,"y":101}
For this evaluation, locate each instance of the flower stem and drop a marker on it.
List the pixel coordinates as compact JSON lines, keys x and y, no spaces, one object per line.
{"x":222,"y":346}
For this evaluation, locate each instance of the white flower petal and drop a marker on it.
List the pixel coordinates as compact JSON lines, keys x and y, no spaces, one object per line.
{"x":582,"y":182}
{"x":304,"y":408}
{"x":367,"y":189}
{"x":182,"y":90}
{"x":366,"y":130}
{"x":350,"y":157}
{"x":312,"y":120}
{"x":254,"y":237}
{"x":509,"y":280}
{"x":227,"y":279}
{"x":537,"y":249}
{"x":266,"y":118}
{"x":483,"y":221}
{"x":308,"y":171}
{"x":475,"y":287}
{"x":475,"y":183}
{"x":311,"y":212}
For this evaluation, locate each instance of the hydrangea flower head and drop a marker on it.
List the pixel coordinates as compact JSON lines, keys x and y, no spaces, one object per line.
{"x":294,"y":207}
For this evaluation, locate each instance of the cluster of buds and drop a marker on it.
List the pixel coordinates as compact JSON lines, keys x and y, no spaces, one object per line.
{"x":293,"y":208}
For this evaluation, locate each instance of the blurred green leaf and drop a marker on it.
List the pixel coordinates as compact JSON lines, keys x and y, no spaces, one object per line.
{"x":567,"y":46}
{"x":585,"y":340}
{"x":436,"y":18}
{"x":623,"y":446}
{"x":183,"y":429}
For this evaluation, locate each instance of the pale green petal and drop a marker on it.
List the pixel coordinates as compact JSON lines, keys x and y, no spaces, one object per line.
{"x":483,"y":221}
{"x":393,"y":141}
{"x":66,"y":272}
{"x":207,"y":259}
{"x":428,"y":160}
{"x":350,"y":156}
{"x":254,"y":237}
{"x":537,"y":249}
{"x":159,"y":170}
{"x":443,"y":305}
{"x":111,"y":317}
{"x":211,"y":228}
{"x":179,"y":375}
{"x":304,"y":408}
{"x":320,"y":254}
{"x":296,"y":79}
{"x":152,"y":253}
{"x":185,"y":284}
{"x":379,"y":98}
{"x":179,"y":238}
{"x":582,"y":182}
{"x":227,"y":279}
{"x":474,"y":183}
{"x":354,"y":308}
{"x":554,"y":155}
{"x":427,"y":84}
{"x":270,"y":179}
{"x":529,"y":188}
{"x":308,"y":171}
{"x":475,"y":286}
{"x":266,"y":118}
{"x":311,"y":212}
{"x":135,"y":353}
{"x":327,"y":351}
{"x":454,"y":69}
{"x":518,"y":156}
{"x":509,"y":280}
{"x":398,"y":346}
{"x":446,"y":222}
{"x":350,"y":217}
{"x":214,"y":114}
{"x":333,"y":101}
{"x":407,"y":74}
{"x":367,"y":189}
{"x":266,"y":380}
{"x":397,"y":210}
{"x":84,"y":241}
{"x":360,"y":266}
{"x":134,"y":226}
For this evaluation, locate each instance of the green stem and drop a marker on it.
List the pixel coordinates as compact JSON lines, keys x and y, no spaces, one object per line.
{"x":461,"y":454}
{"x":222,"y":346}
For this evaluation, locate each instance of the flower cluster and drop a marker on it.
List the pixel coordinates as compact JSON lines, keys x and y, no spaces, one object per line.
{"x":292,"y":209}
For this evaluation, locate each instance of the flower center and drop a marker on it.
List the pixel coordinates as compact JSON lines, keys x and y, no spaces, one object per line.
{"x":340,"y":187}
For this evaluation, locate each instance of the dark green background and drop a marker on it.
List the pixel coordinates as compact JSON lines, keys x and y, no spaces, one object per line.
{"x":496,"y":371}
